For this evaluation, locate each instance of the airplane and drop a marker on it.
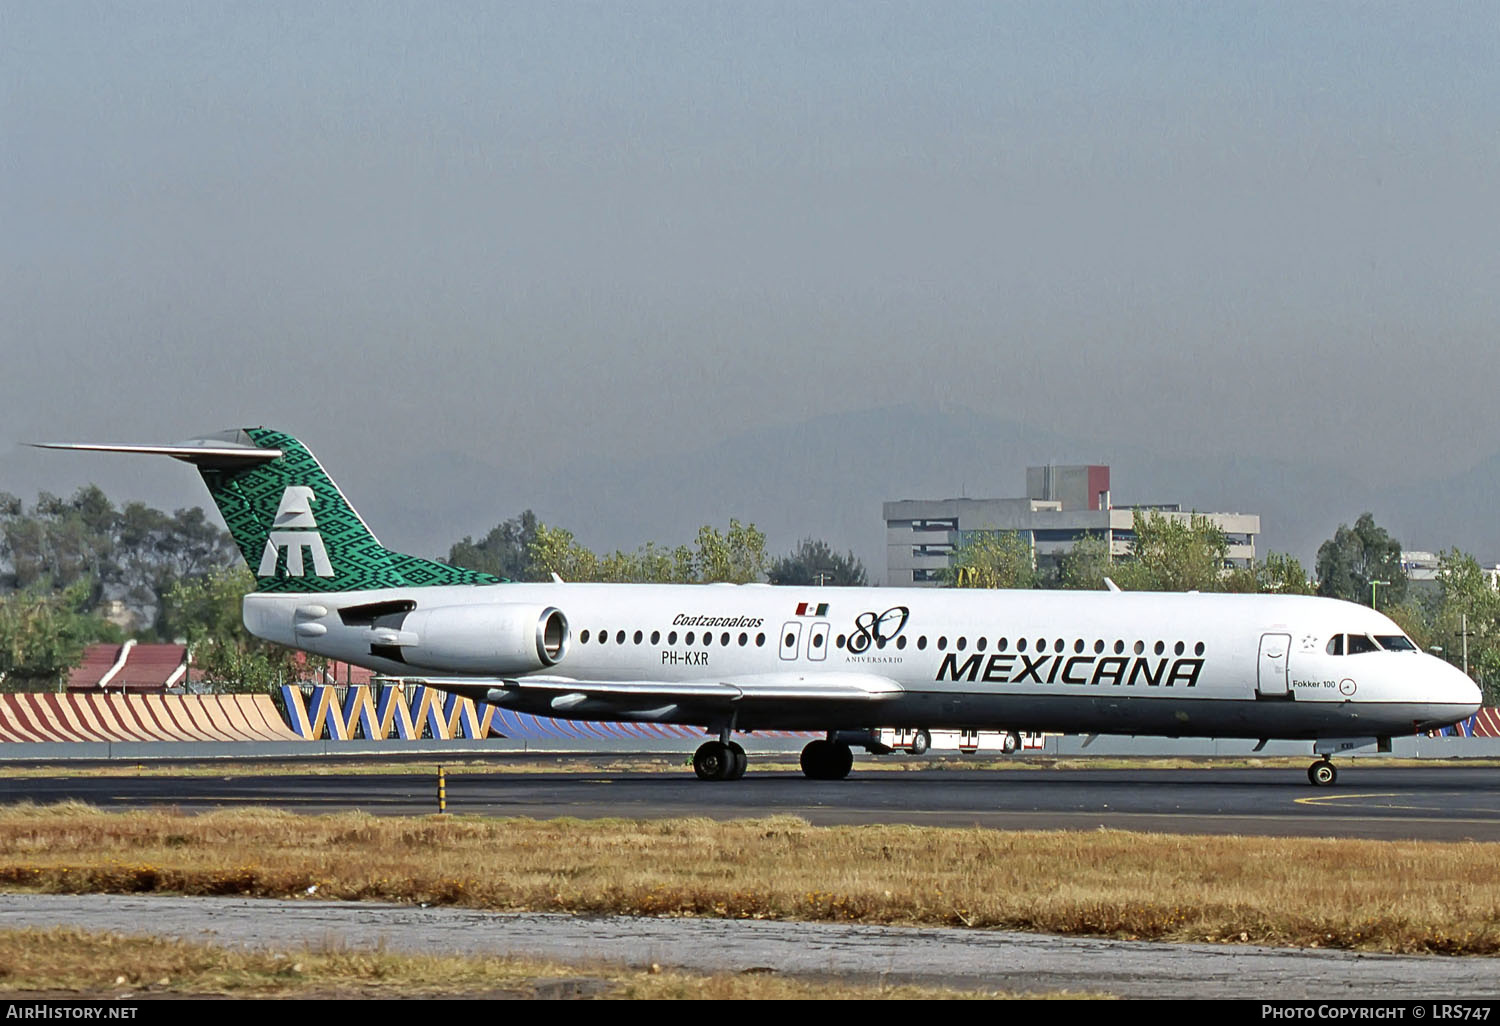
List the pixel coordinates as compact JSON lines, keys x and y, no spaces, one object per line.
{"x":843,"y":661}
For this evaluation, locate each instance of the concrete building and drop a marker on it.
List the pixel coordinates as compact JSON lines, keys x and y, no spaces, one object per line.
{"x":1423,"y":572}
{"x":1062,"y":506}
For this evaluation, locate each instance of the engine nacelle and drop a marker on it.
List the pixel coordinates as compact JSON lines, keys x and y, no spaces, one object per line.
{"x":494,"y":639}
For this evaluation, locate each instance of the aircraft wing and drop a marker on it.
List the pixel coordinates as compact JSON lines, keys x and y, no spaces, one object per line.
{"x":639,"y":698}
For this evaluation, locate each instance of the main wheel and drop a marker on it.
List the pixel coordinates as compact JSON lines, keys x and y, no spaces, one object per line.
{"x":826,"y":760}
{"x":920,"y":742}
{"x":1322,"y":773}
{"x":714,"y":761}
{"x":740,"y":759}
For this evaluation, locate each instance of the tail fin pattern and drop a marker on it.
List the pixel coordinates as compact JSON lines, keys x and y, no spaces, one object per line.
{"x":299,"y":534}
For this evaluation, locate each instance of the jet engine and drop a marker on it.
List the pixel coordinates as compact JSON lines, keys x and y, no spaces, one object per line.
{"x":498,"y":639}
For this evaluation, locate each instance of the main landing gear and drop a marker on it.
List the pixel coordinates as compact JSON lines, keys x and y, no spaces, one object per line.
{"x":827,"y":760}
{"x":720,"y":760}
{"x":1322,"y":773}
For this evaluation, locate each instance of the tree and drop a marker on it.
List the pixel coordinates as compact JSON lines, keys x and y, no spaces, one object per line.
{"x":1170,"y":554}
{"x":813,"y":562}
{"x":206,"y":611}
{"x":992,"y":559}
{"x":43,"y":634}
{"x":738,"y":555}
{"x":1350,"y":560}
{"x":1085,"y":565}
{"x":505,"y":552}
{"x":135,"y":554}
{"x":1468,"y":614}
{"x":1277,"y":574}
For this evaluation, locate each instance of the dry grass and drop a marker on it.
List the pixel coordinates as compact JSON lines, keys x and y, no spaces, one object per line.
{"x":1397,"y":896}
{"x":108,"y":966}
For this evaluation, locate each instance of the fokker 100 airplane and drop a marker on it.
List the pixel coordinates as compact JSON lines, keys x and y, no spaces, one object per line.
{"x":843,"y":660}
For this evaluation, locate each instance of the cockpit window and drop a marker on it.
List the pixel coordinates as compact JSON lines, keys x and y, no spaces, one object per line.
{"x":1395,"y":643}
{"x":1336,"y":645}
{"x":1361,"y":643}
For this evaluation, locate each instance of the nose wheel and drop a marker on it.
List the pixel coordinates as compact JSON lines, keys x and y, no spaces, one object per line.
{"x":1322,"y":773}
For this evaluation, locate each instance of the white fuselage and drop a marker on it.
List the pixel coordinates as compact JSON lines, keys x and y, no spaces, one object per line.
{"x":1206,"y":665}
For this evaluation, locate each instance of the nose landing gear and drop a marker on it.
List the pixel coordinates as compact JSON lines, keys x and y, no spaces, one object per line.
{"x":1322,"y":773}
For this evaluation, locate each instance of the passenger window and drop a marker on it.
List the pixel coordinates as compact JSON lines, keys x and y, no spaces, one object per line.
{"x":655,"y":637}
{"x":672,"y":638}
{"x":744,"y":639}
{"x":619,"y":637}
{"x":583,"y":639}
{"x":638,"y":637}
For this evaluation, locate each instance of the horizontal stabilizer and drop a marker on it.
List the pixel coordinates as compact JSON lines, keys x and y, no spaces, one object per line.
{"x":198,"y":451}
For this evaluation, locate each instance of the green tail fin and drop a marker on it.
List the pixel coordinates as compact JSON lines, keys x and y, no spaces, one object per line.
{"x":297,"y":531}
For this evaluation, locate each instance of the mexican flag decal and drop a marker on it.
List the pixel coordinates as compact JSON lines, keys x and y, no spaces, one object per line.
{"x":812,"y":608}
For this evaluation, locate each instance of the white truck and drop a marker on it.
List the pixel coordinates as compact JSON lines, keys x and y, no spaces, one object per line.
{"x":918,"y":741}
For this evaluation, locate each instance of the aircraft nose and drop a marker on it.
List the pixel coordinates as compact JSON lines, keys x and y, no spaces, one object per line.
{"x":1454,"y":687}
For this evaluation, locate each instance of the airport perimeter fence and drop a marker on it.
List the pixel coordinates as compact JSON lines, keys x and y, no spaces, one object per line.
{"x":358,"y":719}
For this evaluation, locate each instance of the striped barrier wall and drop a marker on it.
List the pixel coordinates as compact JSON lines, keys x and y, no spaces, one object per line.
{"x":44,"y":717}
{"x":1484,"y":723}
{"x":409,"y":714}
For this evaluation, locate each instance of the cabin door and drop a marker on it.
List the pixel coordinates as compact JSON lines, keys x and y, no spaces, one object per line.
{"x":1274,"y":649}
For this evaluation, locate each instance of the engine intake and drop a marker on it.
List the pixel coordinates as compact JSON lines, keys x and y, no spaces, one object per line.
{"x":497,"y":639}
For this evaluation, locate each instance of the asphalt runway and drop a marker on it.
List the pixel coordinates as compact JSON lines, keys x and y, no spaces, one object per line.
{"x":1439,"y":802}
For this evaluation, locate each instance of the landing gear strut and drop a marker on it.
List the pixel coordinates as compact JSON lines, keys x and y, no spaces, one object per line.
{"x":826,"y":760}
{"x":1322,"y":773}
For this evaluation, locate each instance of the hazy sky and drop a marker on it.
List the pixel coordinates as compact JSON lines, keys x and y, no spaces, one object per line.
{"x":528,"y":232}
